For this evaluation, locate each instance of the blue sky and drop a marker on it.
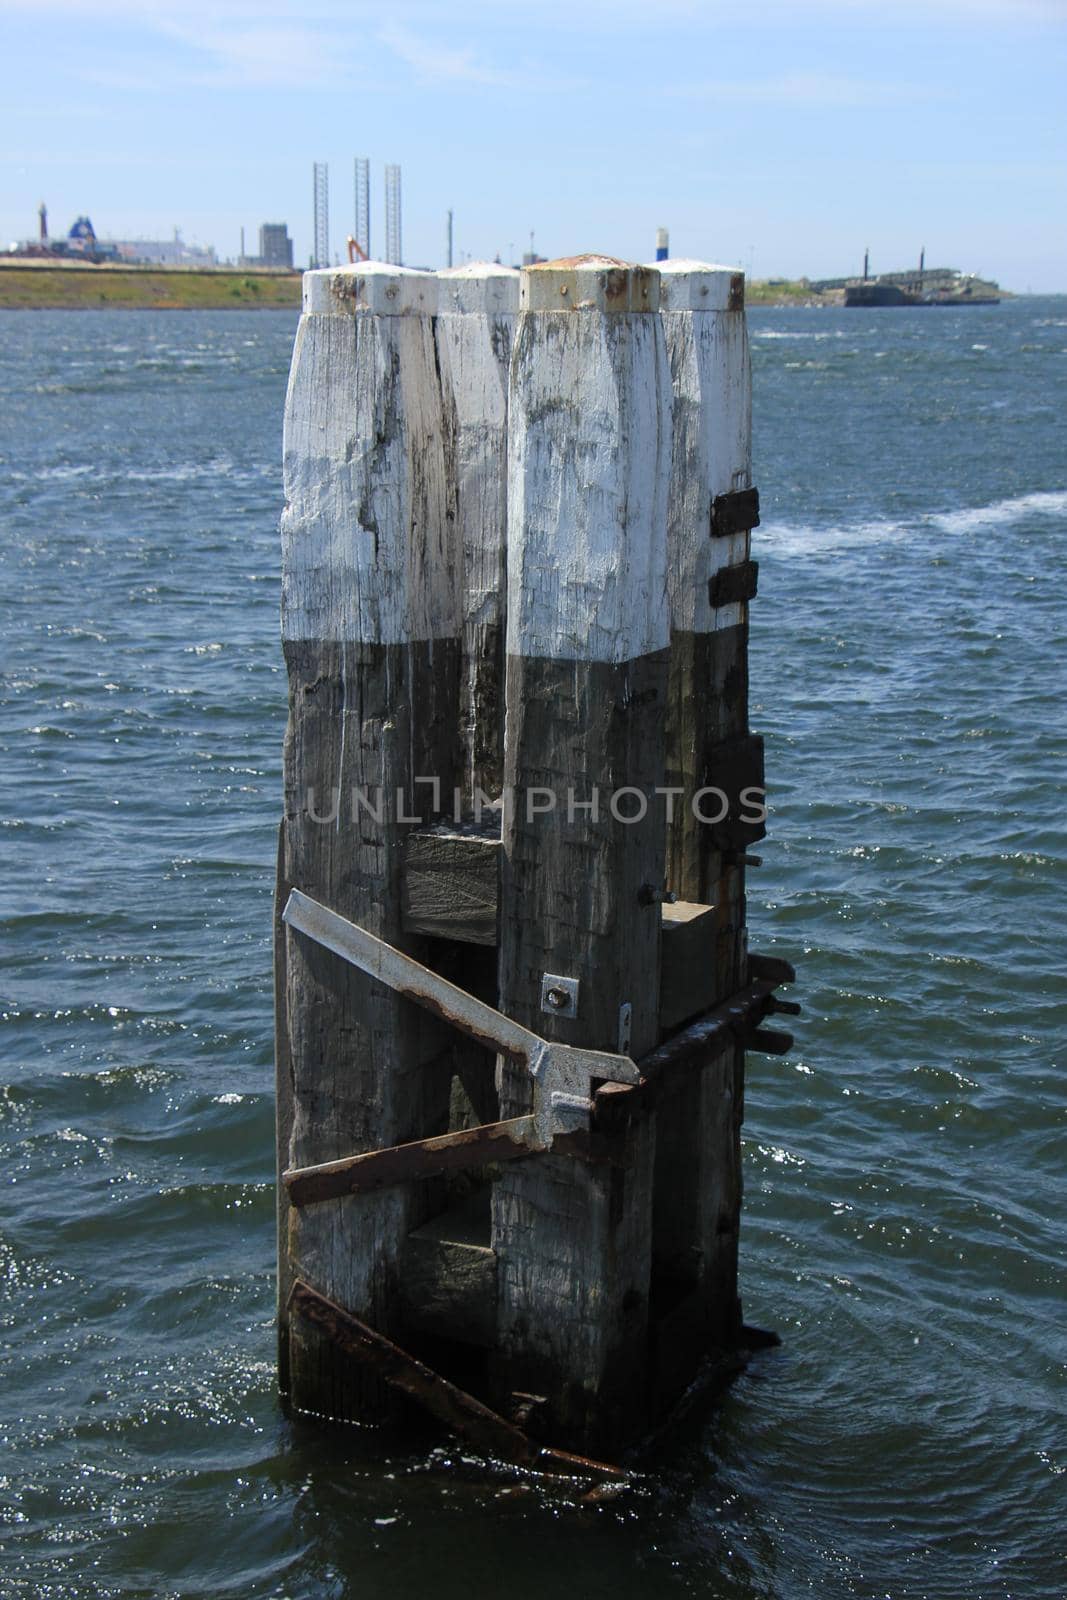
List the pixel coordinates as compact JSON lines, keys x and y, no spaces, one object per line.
{"x":784,"y":135}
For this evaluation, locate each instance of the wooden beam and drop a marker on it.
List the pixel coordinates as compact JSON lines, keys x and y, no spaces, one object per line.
{"x":588,"y":450}
{"x":283,"y":1112}
{"x":404,"y":1163}
{"x":452,"y":882}
{"x":712,"y":510}
{"x":687,"y":971}
{"x":477,"y":307}
{"x":370,"y":632}
{"x":447,"y":1283}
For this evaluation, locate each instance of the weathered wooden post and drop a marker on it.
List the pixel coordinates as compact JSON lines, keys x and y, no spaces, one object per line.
{"x":712,"y":508}
{"x":370,"y":628}
{"x":565,"y":1232}
{"x":587,"y":663}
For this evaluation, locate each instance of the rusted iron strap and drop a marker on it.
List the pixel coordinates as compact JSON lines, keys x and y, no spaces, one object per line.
{"x":451,"y":1405}
{"x":716,"y":1030}
{"x":458,"y":1410}
{"x":403,"y":1163}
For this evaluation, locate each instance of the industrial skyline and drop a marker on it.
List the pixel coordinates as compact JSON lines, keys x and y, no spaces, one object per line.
{"x":773,"y":136}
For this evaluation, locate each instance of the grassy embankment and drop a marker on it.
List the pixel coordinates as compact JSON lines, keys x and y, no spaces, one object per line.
{"x":787,"y":292}
{"x":44,"y":288}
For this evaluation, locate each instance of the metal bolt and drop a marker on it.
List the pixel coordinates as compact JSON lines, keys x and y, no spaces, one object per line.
{"x":558,"y":999}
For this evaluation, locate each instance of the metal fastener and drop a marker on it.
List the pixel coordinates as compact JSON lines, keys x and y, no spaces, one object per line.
{"x":652,"y":894}
{"x":559,"y":995}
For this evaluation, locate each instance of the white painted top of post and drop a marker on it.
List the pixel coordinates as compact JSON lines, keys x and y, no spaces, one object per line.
{"x":376,"y":286}
{"x":712,"y":442}
{"x":601,"y":283}
{"x":700,"y":286}
{"x":588,"y":467}
{"x":478,"y":286}
{"x":368,"y":553}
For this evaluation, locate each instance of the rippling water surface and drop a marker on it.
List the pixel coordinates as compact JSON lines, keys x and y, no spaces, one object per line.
{"x":904,"y":1206}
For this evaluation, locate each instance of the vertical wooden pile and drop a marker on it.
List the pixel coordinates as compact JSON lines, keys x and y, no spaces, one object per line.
{"x":586,"y":686}
{"x":711,"y":511}
{"x":478,"y":304}
{"x":371,"y":635}
{"x":477,"y":307}
{"x":571,"y":635}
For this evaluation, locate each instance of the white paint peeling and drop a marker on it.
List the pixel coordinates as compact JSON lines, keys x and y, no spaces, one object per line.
{"x":588,"y":474}
{"x":375,"y":286}
{"x":367,"y":551}
{"x":712,"y":439}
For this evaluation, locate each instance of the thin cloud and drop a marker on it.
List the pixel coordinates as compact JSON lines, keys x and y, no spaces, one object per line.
{"x":439,"y":64}
{"x":260,"y":56}
{"x":804,"y":89}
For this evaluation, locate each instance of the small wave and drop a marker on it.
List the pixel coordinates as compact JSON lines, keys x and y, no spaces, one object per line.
{"x":793,"y":539}
{"x":790,"y":334}
{"x":1002,"y":513}
{"x":801,"y":539}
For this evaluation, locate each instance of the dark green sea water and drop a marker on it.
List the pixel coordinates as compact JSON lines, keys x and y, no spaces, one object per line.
{"x":904,"y":1167}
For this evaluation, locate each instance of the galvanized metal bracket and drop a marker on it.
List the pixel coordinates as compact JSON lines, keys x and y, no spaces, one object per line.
{"x":562,"y":1075}
{"x":559,"y":996}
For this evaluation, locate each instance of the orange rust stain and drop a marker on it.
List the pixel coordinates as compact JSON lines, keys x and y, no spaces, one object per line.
{"x":570,"y":263}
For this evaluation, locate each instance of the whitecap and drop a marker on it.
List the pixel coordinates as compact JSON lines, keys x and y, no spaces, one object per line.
{"x":1002,"y":513}
{"x":807,"y":538}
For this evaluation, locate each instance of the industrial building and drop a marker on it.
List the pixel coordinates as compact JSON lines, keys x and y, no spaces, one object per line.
{"x":275,"y":247}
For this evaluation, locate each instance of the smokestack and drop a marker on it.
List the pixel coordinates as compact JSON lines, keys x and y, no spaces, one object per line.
{"x":866,"y":263}
{"x":663,"y":242}
{"x":448,"y":239}
{"x":42,"y":214}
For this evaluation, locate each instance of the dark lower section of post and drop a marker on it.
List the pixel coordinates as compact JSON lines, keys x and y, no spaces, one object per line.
{"x":364,"y":1068}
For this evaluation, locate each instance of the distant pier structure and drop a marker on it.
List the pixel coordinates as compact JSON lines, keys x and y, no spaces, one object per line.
{"x":513,"y":986}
